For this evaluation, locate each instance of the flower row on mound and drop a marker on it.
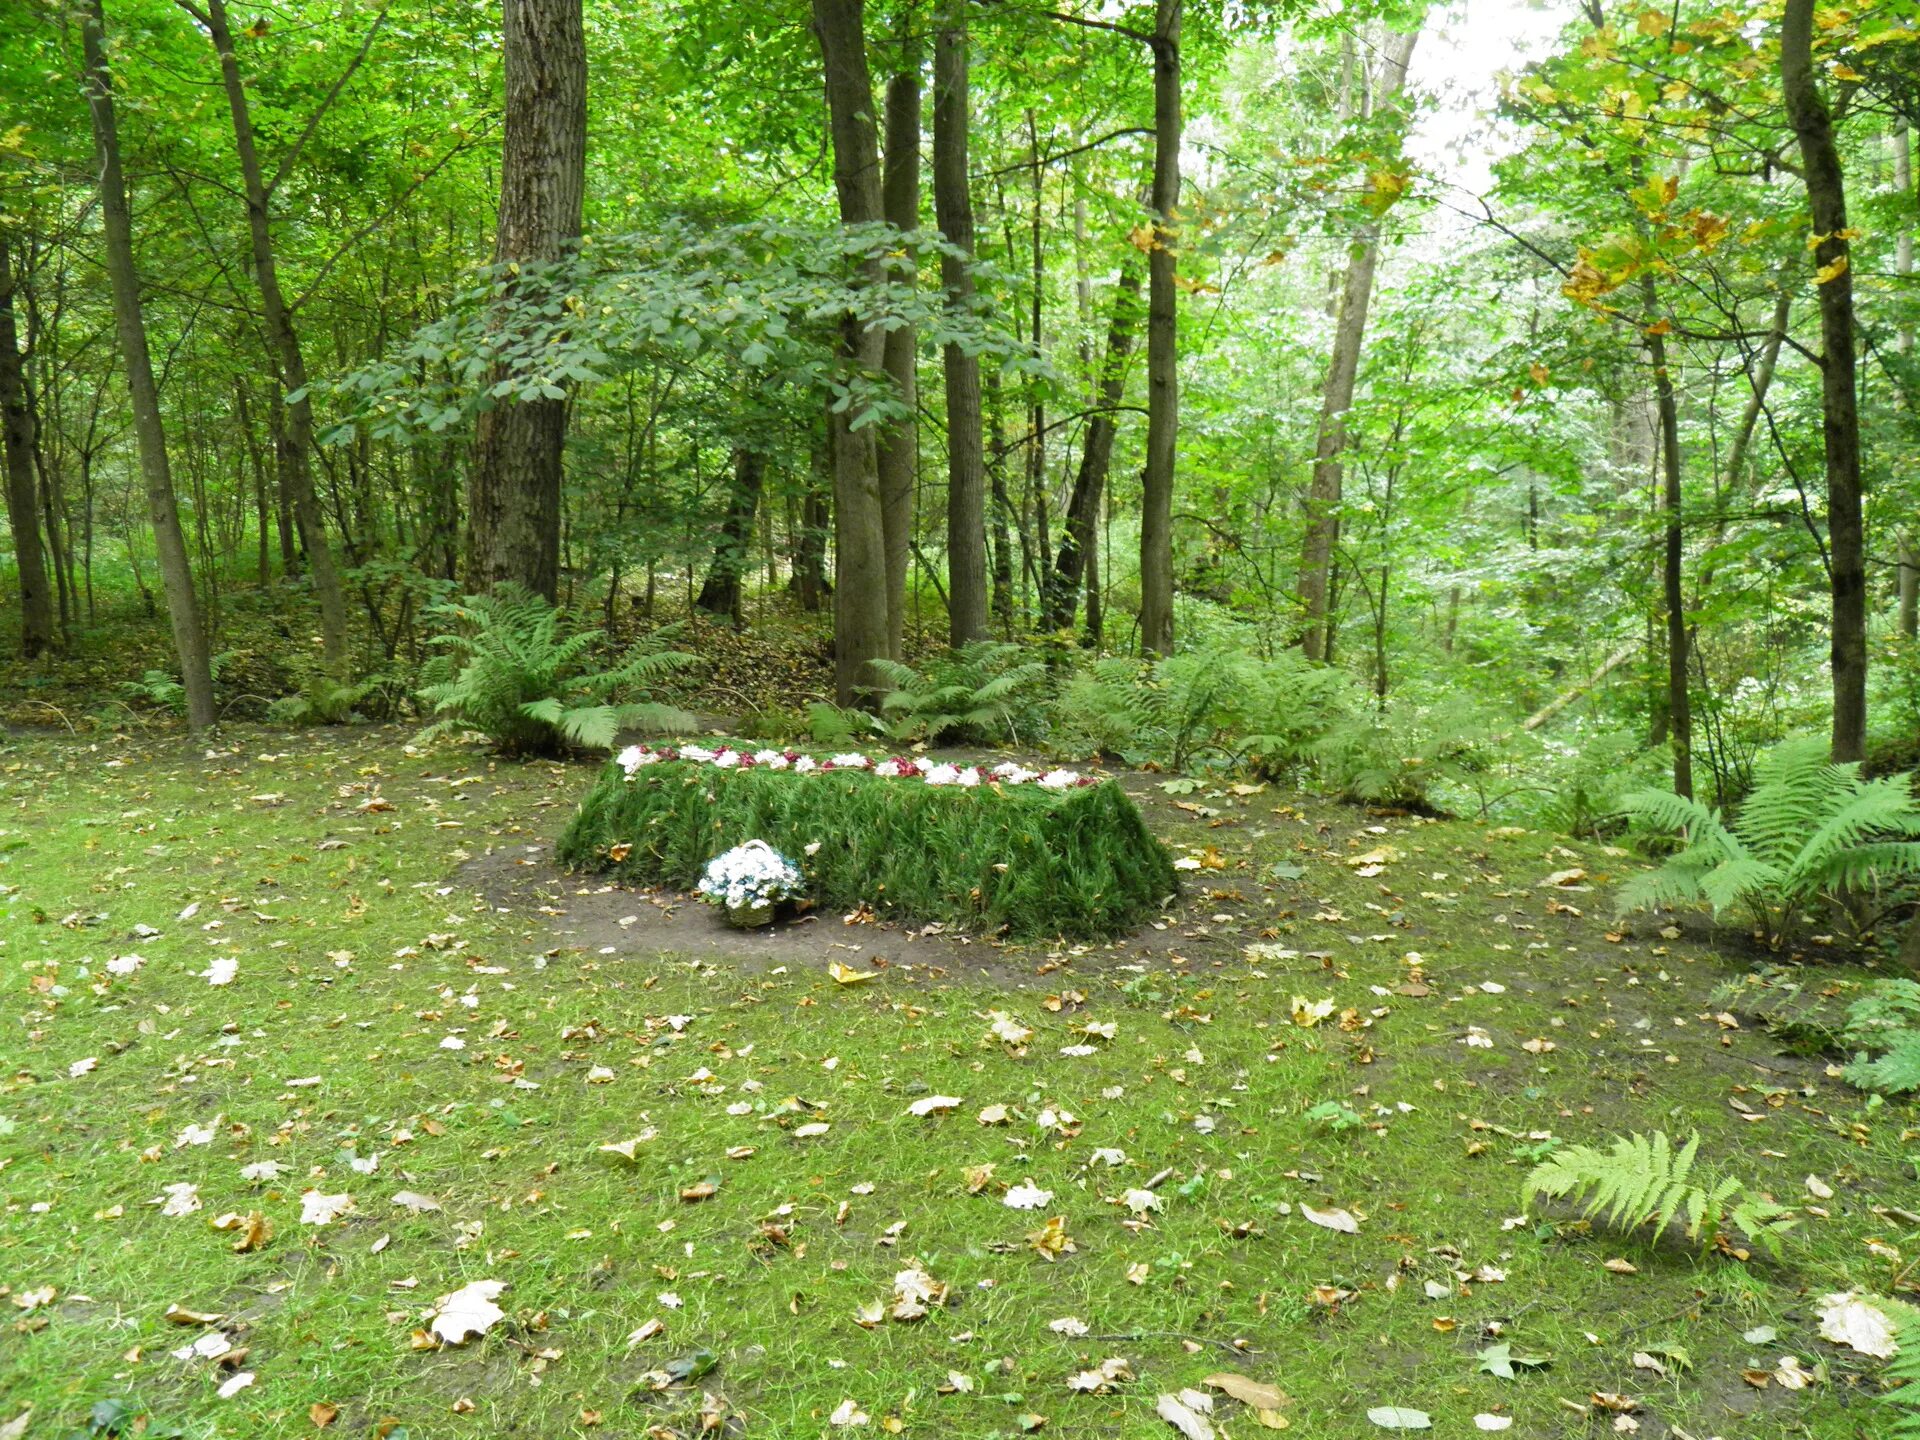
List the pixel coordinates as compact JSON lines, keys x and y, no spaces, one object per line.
{"x":635,"y":758}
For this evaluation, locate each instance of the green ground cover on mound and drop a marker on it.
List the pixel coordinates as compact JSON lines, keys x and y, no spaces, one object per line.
{"x":1022,"y":860}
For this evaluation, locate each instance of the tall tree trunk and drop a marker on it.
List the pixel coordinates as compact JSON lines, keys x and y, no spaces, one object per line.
{"x":1903,"y":269}
{"x":1840,"y":416}
{"x":143,"y":395}
{"x":513,"y":496}
{"x":23,"y":513}
{"x":295,"y":454}
{"x":1163,"y":359}
{"x":1000,"y":508}
{"x":1336,"y":397}
{"x":953,"y":212}
{"x":861,"y":619}
{"x":1672,"y":575}
{"x":1089,"y":481}
{"x":900,"y":443}
{"x":722,"y":593}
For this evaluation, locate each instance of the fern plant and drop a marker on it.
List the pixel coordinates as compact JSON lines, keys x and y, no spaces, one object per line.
{"x":324,"y":699}
{"x":1398,"y":759}
{"x":1642,"y":1180}
{"x":987,"y":691}
{"x":1808,"y":832}
{"x":1883,"y":1027}
{"x":1905,"y":1368}
{"x":508,"y":673}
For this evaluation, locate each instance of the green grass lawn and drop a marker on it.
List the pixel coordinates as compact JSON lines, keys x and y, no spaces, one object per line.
{"x":385,"y":1031}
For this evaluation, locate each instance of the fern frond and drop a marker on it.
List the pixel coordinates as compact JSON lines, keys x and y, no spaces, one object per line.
{"x":1641,"y":1180}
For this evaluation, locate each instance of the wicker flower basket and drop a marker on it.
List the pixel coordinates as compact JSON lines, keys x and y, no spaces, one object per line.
{"x":749,"y":917}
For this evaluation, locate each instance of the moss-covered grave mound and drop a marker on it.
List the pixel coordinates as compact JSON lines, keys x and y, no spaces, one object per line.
{"x":1022,"y":860}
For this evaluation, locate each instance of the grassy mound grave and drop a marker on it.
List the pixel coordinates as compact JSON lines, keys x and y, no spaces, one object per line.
{"x":1018,"y":858}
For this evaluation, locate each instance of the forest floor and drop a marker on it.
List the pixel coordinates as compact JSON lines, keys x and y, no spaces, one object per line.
{"x":252,"y":980}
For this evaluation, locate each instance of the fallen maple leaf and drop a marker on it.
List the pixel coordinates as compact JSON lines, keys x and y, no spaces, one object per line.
{"x":1848,"y":1319}
{"x":1332,"y":1219}
{"x":460,"y":1315}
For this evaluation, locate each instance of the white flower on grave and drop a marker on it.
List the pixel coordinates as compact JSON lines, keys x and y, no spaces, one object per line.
{"x":1059,"y":780}
{"x":805,"y":765}
{"x":851,"y":761}
{"x":695,"y":752}
{"x":749,"y":876}
{"x":1012,"y":774}
{"x":943,"y":775}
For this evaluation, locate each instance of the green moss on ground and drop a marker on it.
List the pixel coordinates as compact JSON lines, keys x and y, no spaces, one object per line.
{"x":1019,"y":860}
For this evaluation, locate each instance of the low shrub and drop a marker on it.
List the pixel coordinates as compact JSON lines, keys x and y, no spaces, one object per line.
{"x":1810,"y":833}
{"x":507,"y":672}
{"x":1026,"y":861}
{"x":988,"y":692}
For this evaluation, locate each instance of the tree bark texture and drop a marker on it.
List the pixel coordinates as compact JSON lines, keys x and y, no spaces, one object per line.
{"x":1839,"y":412}
{"x":900,"y":443}
{"x":1163,"y":359}
{"x":1336,"y":398}
{"x":513,"y":497}
{"x":953,"y":212}
{"x":37,"y":633}
{"x":296,"y":452}
{"x":163,"y":509}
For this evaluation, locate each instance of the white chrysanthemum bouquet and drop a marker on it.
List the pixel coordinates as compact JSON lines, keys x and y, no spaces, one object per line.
{"x":749,"y":880}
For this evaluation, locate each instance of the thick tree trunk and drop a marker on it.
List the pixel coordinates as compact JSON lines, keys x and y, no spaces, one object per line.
{"x":296,"y":453}
{"x":953,"y":212}
{"x":1163,"y":359}
{"x":1336,"y":397}
{"x":23,"y":515}
{"x":1089,"y":481}
{"x":722,"y":593}
{"x":861,"y":620}
{"x":1672,"y":574}
{"x":900,"y":444}
{"x":163,"y":511}
{"x":1840,"y":416}
{"x":513,"y":496}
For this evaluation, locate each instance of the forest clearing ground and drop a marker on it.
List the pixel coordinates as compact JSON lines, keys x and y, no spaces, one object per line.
{"x":375,"y":908}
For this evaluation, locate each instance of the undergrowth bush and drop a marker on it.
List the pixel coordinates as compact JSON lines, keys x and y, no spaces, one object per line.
{"x":1216,"y":706}
{"x":989,"y":692}
{"x":508,"y":673}
{"x":1399,"y":759}
{"x":1810,"y":832}
{"x":1031,"y":862}
{"x":1883,"y":1027}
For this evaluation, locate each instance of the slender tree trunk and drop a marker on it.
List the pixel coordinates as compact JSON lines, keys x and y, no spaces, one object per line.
{"x":1163,"y":359}
{"x":1336,"y":398}
{"x":296,"y":453}
{"x":997,"y":501}
{"x":1903,"y":269}
{"x":900,"y":444}
{"x":953,"y":212}
{"x":861,"y":619}
{"x":723,"y":593}
{"x":513,"y":496}
{"x":1672,"y":574}
{"x":1840,"y":416}
{"x":163,"y":510}
{"x":23,"y":518}
{"x":1089,"y":481}
{"x":1759,"y":383}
